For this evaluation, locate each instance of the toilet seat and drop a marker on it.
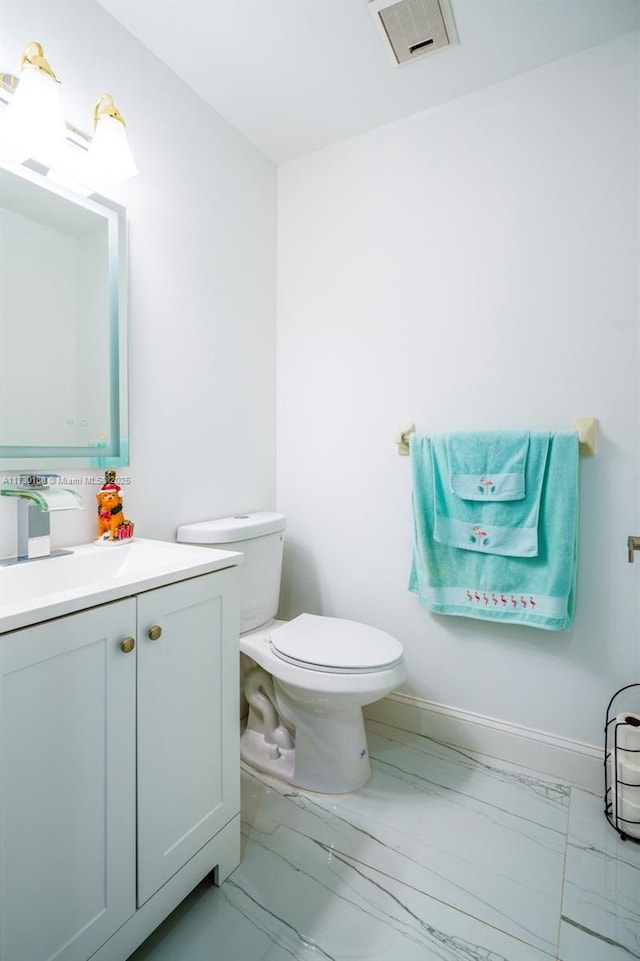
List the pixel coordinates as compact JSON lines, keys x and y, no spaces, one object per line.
{"x":334,"y":645}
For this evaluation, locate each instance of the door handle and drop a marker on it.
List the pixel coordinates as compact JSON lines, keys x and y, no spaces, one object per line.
{"x":633,"y":544}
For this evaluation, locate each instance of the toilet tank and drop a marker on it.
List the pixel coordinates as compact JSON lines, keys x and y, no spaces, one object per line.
{"x":260,"y":537}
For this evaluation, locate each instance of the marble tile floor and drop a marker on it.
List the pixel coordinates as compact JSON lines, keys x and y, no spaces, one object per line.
{"x":443,"y":856}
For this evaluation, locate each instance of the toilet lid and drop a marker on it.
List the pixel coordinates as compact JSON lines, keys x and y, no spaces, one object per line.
{"x":335,"y":644}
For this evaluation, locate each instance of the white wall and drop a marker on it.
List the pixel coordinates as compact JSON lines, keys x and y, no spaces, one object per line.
{"x":471,"y":267}
{"x":202,"y":217}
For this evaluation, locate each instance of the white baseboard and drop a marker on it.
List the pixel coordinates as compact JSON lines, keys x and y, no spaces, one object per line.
{"x":570,"y":761}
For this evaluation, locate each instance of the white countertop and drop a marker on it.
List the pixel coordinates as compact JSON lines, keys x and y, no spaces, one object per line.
{"x":39,"y":590}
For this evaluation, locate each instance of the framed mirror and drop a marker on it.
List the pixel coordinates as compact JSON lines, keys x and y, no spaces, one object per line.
{"x":63,"y":333}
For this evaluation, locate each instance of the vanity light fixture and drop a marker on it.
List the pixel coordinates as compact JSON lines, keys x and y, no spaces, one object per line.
{"x":32,"y":126}
{"x":109,"y":150}
{"x":33,"y":123}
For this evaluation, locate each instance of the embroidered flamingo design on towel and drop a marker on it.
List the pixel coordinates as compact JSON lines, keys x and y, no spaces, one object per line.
{"x":478,"y":535}
{"x":486,"y":486}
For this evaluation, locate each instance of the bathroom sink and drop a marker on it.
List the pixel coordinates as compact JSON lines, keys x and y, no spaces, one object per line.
{"x":93,"y":574}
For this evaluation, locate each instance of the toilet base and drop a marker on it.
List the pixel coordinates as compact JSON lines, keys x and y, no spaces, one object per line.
{"x":330,"y":754}
{"x":255,"y":751}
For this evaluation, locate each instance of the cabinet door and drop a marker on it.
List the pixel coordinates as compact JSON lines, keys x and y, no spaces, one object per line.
{"x":67,"y":783}
{"x":188,"y":737}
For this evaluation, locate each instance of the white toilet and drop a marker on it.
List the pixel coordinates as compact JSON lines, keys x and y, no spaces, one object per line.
{"x":309,"y":678}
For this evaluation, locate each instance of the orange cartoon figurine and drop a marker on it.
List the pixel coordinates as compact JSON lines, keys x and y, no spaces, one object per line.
{"x":112,"y":525}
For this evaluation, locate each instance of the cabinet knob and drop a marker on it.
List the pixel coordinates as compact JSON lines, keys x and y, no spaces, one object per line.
{"x":155,"y":632}
{"x":127,"y":645}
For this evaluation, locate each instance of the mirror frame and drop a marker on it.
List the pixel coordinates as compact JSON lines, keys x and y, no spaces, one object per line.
{"x":115,"y":451}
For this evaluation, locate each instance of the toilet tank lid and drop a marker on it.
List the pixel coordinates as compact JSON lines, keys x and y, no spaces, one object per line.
{"x":226,"y":530}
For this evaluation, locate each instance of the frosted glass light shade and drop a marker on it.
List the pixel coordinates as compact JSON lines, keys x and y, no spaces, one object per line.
{"x":109,"y":153}
{"x":33,"y":122}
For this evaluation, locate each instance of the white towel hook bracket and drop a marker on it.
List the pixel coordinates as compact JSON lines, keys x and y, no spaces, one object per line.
{"x":402,"y":437}
{"x":587,"y":431}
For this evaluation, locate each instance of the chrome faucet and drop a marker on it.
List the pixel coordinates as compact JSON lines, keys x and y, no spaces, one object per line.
{"x":36,"y":501}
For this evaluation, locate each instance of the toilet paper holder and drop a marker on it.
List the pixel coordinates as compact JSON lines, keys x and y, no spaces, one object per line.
{"x":622,"y":762}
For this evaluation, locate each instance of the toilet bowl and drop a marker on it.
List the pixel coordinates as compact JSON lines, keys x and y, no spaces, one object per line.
{"x":305,"y":680}
{"x":321,"y":672}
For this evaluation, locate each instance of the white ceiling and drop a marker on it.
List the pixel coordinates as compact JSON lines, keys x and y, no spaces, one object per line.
{"x":297,"y":75}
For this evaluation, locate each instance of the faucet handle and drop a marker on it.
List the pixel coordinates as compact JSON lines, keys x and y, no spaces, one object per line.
{"x":633,"y":544}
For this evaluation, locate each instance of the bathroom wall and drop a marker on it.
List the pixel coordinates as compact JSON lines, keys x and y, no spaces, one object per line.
{"x":202,"y":216}
{"x":474,"y":266}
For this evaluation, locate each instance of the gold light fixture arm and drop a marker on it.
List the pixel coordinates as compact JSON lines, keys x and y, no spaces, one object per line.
{"x":37,"y":59}
{"x":106,"y":107}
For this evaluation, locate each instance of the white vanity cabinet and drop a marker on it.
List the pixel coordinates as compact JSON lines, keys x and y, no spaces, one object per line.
{"x":67,"y":783}
{"x":119,"y":768}
{"x":188,"y":727}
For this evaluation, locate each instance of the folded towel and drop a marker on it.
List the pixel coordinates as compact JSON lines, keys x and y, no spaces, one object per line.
{"x":494,"y":527}
{"x":538,"y":591}
{"x":488,"y":465}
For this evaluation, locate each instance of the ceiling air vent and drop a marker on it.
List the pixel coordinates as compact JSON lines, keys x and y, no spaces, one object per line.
{"x":413,"y":28}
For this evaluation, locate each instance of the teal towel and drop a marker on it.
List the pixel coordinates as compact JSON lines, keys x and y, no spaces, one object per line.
{"x":488,"y":465}
{"x":500,"y":526}
{"x":538,"y":591}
